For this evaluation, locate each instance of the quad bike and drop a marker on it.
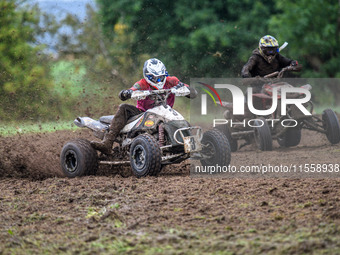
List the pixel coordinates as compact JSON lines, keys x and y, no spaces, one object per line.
{"x":149,"y":141}
{"x":286,"y":136}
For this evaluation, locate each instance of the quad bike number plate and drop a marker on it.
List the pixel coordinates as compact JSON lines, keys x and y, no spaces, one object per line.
{"x":192,"y":144}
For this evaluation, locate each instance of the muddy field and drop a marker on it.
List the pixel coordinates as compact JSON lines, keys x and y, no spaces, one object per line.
{"x":43,"y":212}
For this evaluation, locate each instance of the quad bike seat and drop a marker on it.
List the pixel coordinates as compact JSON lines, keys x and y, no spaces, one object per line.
{"x":107,"y":119}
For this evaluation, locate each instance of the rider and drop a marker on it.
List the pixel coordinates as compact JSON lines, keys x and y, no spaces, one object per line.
{"x":155,"y":78}
{"x":266,"y":59}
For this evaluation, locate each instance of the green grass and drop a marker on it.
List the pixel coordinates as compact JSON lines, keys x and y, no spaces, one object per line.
{"x":10,"y":129}
{"x":69,"y":78}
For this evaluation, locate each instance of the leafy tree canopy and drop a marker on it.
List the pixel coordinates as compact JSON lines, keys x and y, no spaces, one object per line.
{"x":24,"y":83}
{"x":313,"y":28}
{"x":193,"y":38}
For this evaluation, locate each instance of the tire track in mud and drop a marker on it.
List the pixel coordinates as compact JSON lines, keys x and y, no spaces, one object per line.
{"x":36,"y":156}
{"x":166,"y":211}
{"x":170,"y":210}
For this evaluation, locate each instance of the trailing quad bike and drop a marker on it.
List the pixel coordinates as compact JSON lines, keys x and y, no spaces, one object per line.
{"x":149,"y":141}
{"x":288,"y":135}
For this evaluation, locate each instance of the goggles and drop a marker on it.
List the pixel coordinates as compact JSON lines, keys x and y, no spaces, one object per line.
{"x":270,"y":50}
{"x":156,"y":79}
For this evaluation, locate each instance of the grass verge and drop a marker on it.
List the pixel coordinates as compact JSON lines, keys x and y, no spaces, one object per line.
{"x":10,"y":129}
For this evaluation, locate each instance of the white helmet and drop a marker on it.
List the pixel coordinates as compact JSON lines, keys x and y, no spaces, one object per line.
{"x":155,"y":73}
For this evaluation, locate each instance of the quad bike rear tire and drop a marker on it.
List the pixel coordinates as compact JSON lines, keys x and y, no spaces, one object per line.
{"x":217,"y":147}
{"x":263,"y":136}
{"x":290,"y":138}
{"x":226,"y":131}
{"x":145,"y":156}
{"x":78,"y":158}
{"x":331,"y":126}
{"x":94,"y":170}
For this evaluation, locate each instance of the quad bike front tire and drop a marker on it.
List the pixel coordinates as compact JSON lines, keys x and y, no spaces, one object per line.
{"x":290,"y":138}
{"x":226,"y":131}
{"x":217,"y":149}
{"x":145,"y":156}
{"x":78,"y":158}
{"x":263,"y":136}
{"x":331,"y":126}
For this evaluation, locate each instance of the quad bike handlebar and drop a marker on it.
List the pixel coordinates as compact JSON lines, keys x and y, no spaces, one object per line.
{"x":142,"y":94}
{"x":279,"y":74}
{"x":271,"y":76}
{"x":160,"y":94}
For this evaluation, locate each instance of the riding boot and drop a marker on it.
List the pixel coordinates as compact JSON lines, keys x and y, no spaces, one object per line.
{"x":124,"y":112}
{"x":105,"y":146}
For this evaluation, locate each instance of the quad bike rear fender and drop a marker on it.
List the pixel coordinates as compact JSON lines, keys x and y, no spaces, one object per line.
{"x":97,"y":127}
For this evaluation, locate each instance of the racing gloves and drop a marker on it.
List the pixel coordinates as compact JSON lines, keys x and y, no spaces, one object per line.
{"x":179,"y":85}
{"x":125,"y":94}
{"x":294,"y":63}
{"x":193,"y":92}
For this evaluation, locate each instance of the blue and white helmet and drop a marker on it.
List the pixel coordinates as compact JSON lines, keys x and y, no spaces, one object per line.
{"x":155,"y":73}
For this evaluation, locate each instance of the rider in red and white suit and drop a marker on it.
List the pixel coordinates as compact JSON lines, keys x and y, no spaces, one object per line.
{"x":155,"y":77}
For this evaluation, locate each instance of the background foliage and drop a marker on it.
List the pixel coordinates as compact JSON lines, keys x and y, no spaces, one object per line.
{"x":24,"y":80}
{"x":105,"y":53}
{"x":194,"y":38}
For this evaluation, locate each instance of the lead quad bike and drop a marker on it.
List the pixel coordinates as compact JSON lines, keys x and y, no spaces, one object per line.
{"x":286,"y":136}
{"x":155,"y":138}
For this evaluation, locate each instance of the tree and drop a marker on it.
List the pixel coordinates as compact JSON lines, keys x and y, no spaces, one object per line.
{"x":107,"y":59}
{"x":313,"y":29}
{"x":194,"y":38}
{"x":24,"y":81}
